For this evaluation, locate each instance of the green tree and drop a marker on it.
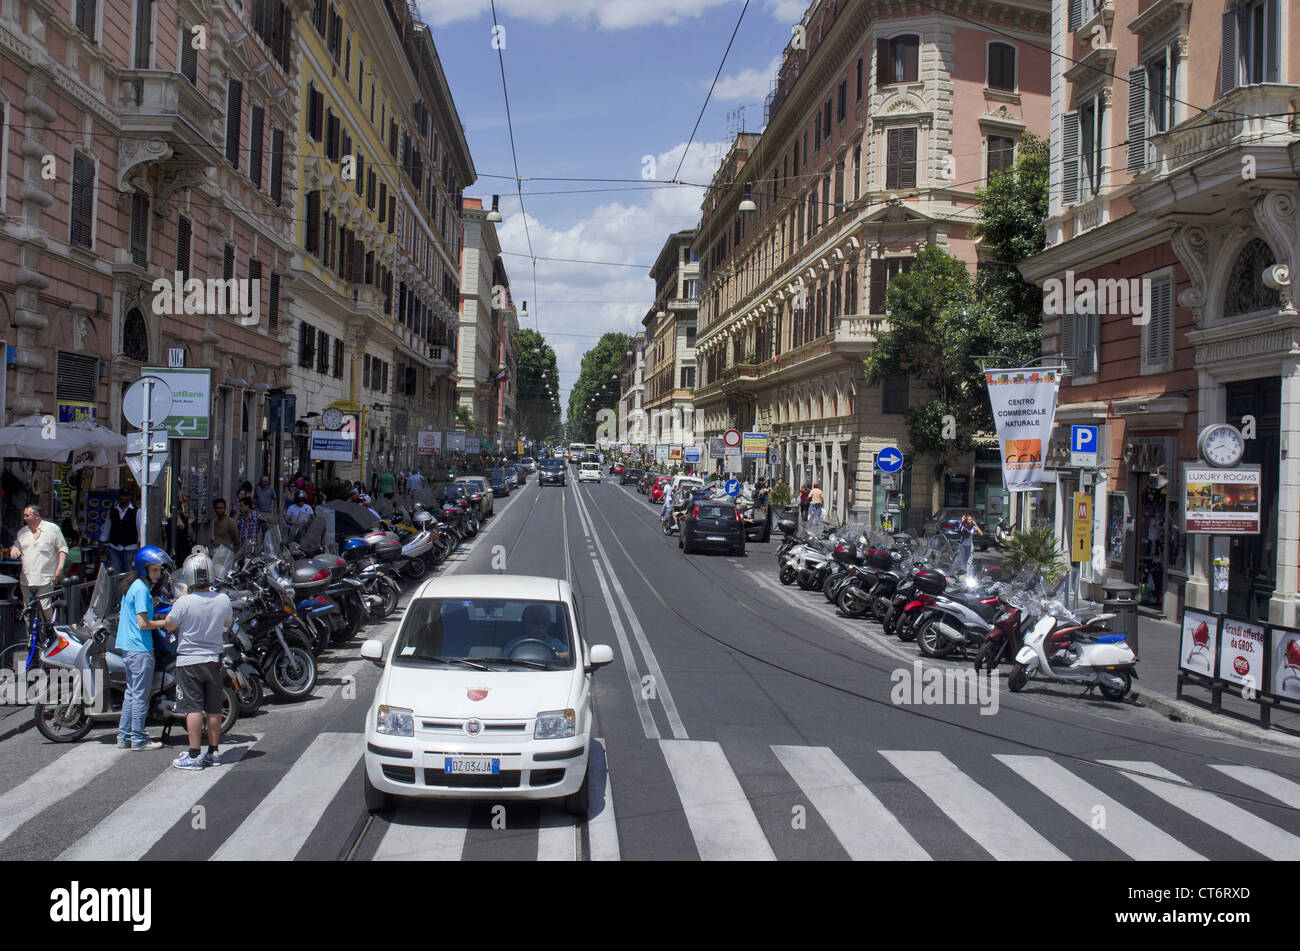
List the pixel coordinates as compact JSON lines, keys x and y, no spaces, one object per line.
{"x":598,"y":386}
{"x":940,"y":319}
{"x":537,"y":399}
{"x":465,"y":417}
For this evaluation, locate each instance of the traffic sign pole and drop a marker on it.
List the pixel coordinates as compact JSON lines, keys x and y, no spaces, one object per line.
{"x":146,"y":423}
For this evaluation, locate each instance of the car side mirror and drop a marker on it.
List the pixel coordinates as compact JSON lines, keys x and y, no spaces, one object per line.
{"x":373,"y":650}
{"x":599,"y":656}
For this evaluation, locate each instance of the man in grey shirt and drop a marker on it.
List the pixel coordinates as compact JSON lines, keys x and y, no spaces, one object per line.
{"x":200,"y":619}
{"x":264,"y":496}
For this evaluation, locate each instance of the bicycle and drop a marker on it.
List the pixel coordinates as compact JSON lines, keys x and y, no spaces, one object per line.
{"x":36,"y":624}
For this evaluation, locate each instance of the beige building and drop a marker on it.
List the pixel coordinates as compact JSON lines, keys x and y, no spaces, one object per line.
{"x":670,"y":332}
{"x":489,"y":330}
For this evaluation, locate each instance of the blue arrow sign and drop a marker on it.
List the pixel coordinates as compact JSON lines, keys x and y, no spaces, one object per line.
{"x":1083,"y":439}
{"x":889,"y":459}
{"x":733,"y":487}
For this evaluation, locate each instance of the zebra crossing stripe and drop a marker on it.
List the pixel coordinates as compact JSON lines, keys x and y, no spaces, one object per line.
{"x":281,"y":823}
{"x":977,"y":812}
{"x":426,"y":843}
{"x":859,"y":820}
{"x":134,"y":827}
{"x":55,"y":782}
{"x":1283,"y":790}
{"x":556,"y":838}
{"x":717,"y":810}
{"x":1117,"y":824}
{"x":1248,"y":829}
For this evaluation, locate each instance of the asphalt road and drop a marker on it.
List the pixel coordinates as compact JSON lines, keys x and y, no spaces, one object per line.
{"x":740,"y":720}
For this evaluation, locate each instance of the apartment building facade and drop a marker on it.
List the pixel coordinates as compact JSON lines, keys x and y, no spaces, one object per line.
{"x":489,"y":327}
{"x":382,"y":159}
{"x":633,"y":428}
{"x":1174,"y":155}
{"x":141,"y":140}
{"x":671,"y":326}
{"x":884,"y":121}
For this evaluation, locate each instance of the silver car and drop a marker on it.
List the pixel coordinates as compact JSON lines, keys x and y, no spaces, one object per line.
{"x":477,"y":485}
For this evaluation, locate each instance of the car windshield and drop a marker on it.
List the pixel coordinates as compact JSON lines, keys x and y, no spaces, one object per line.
{"x":591,"y":465}
{"x":497,"y":474}
{"x":485,"y":631}
{"x":527,"y":460}
{"x":475,"y":484}
{"x":553,"y":464}
{"x":716,"y":511}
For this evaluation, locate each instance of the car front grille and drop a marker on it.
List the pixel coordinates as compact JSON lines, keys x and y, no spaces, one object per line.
{"x":489,"y":726}
{"x":506,"y":779}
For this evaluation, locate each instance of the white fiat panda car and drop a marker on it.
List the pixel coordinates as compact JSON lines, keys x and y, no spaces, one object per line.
{"x":589,"y":472}
{"x":485,"y":694}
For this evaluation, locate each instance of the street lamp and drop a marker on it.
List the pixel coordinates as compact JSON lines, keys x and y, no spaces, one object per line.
{"x":494,"y":215}
{"x":747,"y":204}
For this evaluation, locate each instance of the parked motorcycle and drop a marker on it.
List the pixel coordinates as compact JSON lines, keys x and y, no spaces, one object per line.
{"x":1061,"y":646}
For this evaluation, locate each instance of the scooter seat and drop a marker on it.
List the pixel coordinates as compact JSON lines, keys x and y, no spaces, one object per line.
{"x":1111,"y":638}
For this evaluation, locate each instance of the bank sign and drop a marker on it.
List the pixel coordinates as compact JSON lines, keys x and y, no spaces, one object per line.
{"x":1024,"y":405}
{"x":1221,"y":501}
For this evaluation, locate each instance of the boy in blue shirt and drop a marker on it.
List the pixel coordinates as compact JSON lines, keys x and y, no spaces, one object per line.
{"x":135,"y":641}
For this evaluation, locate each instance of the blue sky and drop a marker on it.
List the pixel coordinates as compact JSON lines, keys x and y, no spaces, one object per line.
{"x":595,"y":86}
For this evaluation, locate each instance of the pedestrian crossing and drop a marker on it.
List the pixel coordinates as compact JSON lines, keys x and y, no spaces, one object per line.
{"x":1009,"y":807}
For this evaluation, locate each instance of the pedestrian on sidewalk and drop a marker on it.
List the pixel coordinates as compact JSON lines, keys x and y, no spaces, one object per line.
{"x":184,"y":537}
{"x":121,"y":533}
{"x":815,"y":502}
{"x":264,"y":498}
{"x":225,"y":531}
{"x":387,"y":484}
{"x":44,"y":554}
{"x":250,"y":523}
{"x":200,"y":618}
{"x":804,"y":494}
{"x":135,"y":641}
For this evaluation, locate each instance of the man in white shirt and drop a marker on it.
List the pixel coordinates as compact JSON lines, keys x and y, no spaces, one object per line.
{"x":299,"y":514}
{"x":44,"y":554}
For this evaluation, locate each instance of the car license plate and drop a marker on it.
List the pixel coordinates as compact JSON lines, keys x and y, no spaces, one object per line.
{"x":470,"y":764}
{"x":714,"y":538}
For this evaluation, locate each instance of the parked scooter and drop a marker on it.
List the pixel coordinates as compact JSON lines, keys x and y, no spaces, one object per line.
{"x":1061,"y":646}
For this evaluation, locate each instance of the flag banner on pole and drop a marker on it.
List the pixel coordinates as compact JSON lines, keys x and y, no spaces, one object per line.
{"x":1024,"y":408}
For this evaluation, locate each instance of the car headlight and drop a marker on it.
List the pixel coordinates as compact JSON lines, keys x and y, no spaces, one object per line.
{"x":554,"y":724}
{"x":395,"y":721}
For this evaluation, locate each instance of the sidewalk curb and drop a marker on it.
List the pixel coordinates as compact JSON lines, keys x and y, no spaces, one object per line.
{"x":16,"y":723}
{"x":1196,"y":716}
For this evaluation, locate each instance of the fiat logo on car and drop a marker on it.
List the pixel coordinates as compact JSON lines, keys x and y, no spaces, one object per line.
{"x":474,"y":727}
{"x":476,"y":693}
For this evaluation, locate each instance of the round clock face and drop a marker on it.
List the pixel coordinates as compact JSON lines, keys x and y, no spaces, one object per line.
{"x":1222,"y":445}
{"x":332,"y":418}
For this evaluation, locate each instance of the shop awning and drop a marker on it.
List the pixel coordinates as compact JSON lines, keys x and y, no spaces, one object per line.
{"x":82,"y":443}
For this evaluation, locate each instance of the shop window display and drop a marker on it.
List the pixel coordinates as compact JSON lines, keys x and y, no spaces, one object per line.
{"x":1152,"y":542}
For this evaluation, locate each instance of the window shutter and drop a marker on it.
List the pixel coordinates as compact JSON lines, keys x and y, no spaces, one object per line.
{"x":83,"y":199}
{"x":360,"y":173}
{"x":1137,"y":119}
{"x":1272,"y":25}
{"x":228,"y":274}
{"x":277,"y":165}
{"x":255,"y":147}
{"x":1088,"y":358}
{"x":893,"y":157}
{"x":1159,"y":326}
{"x":140,"y":229}
{"x":183,"y":236}
{"x":143,"y":33}
{"x":1228,"y":58}
{"x":273,"y":307}
{"x":322,"y":352}
{"x":76,"y":377}
{"x":1070,"y":159}
{"x":911,"y":59}
{"x":907,"y":159}
{"x":884,"y":66}
{"x":1075,"y":13}
{"x":315,"y":111}
{"x":1069,"y":341}
{"x":234,"y":103}
{"x":189,"y":56}
{"x":312,"y":241}
{"x":86,"y":17}
{"x":878,"y":267}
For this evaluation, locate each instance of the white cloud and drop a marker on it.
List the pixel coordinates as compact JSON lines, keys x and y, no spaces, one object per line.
{"x":605,"y":14}
{"x":749,"y":85}
{"x":791,"y":11}
{"x":625,"y":231}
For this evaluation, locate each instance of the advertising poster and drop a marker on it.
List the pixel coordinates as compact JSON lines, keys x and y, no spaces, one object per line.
{"x":330,"y":446}
{"x":1242,"y":658}
{"x":1024,"y":406}
{"x":661,"y":452}
{"x":675,"y":453}
{"x":455,"y":442}
{"x":1286,"y":663}
{"x":754,"y":445}
{"x":1200,"y":638}
{"x":430,"y":441}
{"x":1221,"y":501}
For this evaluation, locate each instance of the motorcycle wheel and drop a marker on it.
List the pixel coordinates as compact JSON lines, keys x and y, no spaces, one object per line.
{"x":292,"y":676}
{"x":391,"y":595}
{"x":852,"y":602}
{"x":229,"y":708}
{"x":1110,"y":693}
{"x":787,"y":575}
{"x":931,"y":643}
{"x":808,"y":581}
{"x":905,"y":628}
{"x":880,"y":608}
{"x":61,"y":723}
{"x":416,"y":568}
{"x":829,"y":585}
{"x":989,"y":656}
{"x":891,"y":620}
{"x":666,"y":526}
{"x":249,"y":695}
{"x":1018,"y":678}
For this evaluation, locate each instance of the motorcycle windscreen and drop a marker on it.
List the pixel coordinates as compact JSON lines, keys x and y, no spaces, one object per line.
{"x":222,"y":560}
{"x":101,"y":603}
{"x":272,"y":542}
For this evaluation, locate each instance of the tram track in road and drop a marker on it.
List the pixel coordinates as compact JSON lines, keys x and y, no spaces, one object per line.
{"x":718,"y":582}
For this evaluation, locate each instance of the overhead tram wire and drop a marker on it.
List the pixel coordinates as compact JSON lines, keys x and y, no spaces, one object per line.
{"x":709,"y":95}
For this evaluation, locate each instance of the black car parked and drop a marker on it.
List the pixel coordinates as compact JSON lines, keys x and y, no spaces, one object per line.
{"x":712,"y":523}
{"x":632,"y":476}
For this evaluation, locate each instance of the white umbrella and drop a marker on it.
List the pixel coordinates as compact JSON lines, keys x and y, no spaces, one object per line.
{"x":39,"y":439}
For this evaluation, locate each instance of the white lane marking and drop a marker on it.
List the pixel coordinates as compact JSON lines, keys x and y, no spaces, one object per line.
{"x":134,"y":827}
{"x":629,"y":659}
{"x":860,"y":821}
{"x":1122,"y":828}
{"x":976,"y":811}
{"x":281,"y":823}
{"x":1247,"y":828}
{"x":638,"y":633}
{"x":426,"y":843}
{"x":1271,"y":784}
{"x":556,"y":838}
{"x":602,"y":831}
{"x":341,"y":674}
{"x":58,"y":780}
{"x":717,"y":810}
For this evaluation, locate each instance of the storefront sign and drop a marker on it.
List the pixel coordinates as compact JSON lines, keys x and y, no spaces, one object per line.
{"x":429,"y":442}
{"x":330,"y":446}
{"x":1286,"y":663}
{"x":456,"y":442}
{"x":1024,"y":406}
{"x":1221,"y":501}
{"x":755,"y":445}
{"x":661,"y":452}
{"x":1242,"y":659}
{"x":1199,"y":642}
{"x":675,"y":453}
{"x":191,"y":401}
{"x":71,"y":411}
{"x":1081,"y":544}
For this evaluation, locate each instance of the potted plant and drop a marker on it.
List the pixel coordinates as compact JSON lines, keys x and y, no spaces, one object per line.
{"x":779,"y":500}
{"x":1036,"y":548}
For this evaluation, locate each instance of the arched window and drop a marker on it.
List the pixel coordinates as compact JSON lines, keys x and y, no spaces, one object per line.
{"x":1246,"y":292}
{"x":135,"y":336}
{"x":1002,"y":67}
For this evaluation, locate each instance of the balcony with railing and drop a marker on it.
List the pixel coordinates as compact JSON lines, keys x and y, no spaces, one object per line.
{"x":156,"y":104}
{"x":1262,"y":115}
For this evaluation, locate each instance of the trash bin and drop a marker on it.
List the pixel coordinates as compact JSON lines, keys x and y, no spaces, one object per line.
{"x":1121,"y":600}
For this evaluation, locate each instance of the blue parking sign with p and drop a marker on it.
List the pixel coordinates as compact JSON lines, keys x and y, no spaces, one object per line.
{"x":1083,"y":439}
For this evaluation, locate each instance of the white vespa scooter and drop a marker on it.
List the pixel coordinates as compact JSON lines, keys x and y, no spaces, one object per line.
{"x":1060,"y":646}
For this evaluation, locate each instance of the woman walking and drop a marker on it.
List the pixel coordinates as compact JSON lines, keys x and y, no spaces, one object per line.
{"x":804,"y":493}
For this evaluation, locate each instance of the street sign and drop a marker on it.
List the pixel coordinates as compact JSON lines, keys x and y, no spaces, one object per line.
{"x":157,"y":461}
{"x":691,"y":454}
{"x":191,"y":401}
{"x":755,"y":445}
{"x":330,"y":446}
{"x":717,"y":448}
{"x":733,"y":487}
{"x":135,"y":442}
{"x":176,"y":357}
{"x":1083,"y":447}
{"x":283,"y":410}
{"x":1081,"y":546}
{"x":889,"y":481}
{"x":733,"y":461}
{"x":160,"y":402}
{"x":889,"y":459}
{"x":731,"y":439}
{"x":771,"y":456}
